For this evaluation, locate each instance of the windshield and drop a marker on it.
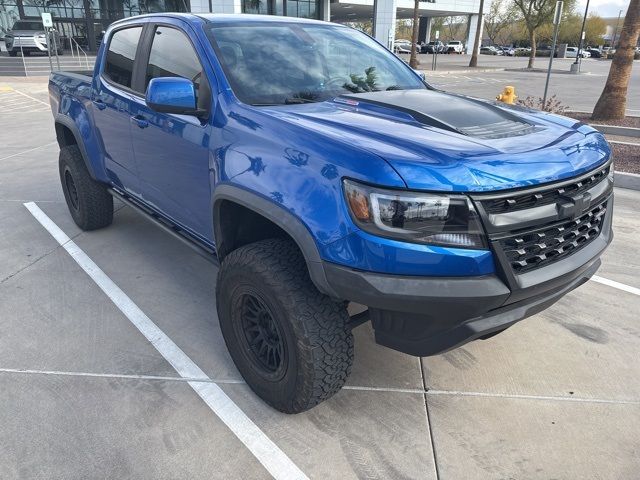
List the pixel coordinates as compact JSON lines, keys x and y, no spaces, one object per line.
{"x":286,"y":63}
{"x":33,"y":26}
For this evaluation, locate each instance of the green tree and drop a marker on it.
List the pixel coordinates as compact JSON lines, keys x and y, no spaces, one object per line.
{"x":535,"y":14}
{"x":498,"y":18}
{"x":413,"y":59}
{"x":476,"y":44}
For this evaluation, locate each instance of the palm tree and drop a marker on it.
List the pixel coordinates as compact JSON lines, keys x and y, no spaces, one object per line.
{"x":476,"y":46}
{"x":613,"y":100}
{"x":413,"y":59}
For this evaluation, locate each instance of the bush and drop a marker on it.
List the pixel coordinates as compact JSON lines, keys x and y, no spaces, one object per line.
{"x":552,"y":105}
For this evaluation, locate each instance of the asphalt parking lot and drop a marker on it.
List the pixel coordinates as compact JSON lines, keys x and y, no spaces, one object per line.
{"x":577,"y":92}
{"x":84,"y":394}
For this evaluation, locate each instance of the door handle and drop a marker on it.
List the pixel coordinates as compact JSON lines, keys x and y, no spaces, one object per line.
{"x":140,"y":121}
{"x":100,"y":105}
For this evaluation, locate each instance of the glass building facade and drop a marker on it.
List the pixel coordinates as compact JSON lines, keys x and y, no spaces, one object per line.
{"x":85,"y":20}
{"x":287,"y":8}
{"x":82,"y":20}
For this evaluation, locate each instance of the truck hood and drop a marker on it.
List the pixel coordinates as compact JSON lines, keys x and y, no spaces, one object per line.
{"x":442,"y":141}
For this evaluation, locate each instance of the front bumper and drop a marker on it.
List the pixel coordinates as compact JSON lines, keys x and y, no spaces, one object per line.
{"x":425,"y":316}
{"x":28,"y":44}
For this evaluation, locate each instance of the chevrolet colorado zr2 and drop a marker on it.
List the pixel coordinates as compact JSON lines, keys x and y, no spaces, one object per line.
{"x":320,"y":171}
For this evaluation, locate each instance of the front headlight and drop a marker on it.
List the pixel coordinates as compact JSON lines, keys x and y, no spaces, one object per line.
{"x":417,"y":217}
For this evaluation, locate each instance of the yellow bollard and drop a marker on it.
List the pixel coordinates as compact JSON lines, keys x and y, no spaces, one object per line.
{"x":508,"y":95}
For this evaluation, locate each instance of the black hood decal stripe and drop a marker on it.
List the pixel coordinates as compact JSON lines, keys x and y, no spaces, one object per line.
{"x":455,"y":113}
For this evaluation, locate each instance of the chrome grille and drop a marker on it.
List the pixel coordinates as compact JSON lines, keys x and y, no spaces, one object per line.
{"x":520,"y":201}
{"x":24,"y":42}
{"x":533,"y":249}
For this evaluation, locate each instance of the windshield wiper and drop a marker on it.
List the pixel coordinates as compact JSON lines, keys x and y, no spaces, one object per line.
{"x":295,"y":100}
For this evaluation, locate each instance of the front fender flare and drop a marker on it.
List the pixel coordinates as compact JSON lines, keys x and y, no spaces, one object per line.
{"x":284,"y":219}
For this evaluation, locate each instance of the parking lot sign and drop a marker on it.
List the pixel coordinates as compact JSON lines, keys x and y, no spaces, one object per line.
{"x":47,"y":21}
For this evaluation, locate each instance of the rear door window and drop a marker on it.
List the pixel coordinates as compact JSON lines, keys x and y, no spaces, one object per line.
{"x":121,"y":56}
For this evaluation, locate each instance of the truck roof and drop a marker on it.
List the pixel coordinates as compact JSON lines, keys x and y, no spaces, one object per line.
{"x":244,"y":18}
{"x":227,"y":18}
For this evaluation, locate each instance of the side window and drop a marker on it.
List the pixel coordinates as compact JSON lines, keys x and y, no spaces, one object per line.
{"x":121,"y":55}
{"x":172,"y":55}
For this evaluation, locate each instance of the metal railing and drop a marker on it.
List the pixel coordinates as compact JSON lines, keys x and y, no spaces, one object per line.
{"x":79,"y":50}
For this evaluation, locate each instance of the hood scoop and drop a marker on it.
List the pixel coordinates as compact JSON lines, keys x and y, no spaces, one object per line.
{"x":506,"y":128}
{"x":456,"y":113}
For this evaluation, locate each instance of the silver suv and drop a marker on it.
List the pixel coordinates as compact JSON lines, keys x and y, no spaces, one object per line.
{"x":30,"y":36}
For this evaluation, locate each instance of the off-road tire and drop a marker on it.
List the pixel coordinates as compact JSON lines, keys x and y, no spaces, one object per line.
{"x":91,"y":205}
{"x":317,"y":341}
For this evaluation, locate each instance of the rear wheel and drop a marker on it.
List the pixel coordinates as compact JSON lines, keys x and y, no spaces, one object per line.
{"x":291,"y":343}
{"x":89,"y":202}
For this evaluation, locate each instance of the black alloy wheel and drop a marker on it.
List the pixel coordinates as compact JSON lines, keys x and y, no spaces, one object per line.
{"x":261,"y":335}
{"x":70,"y":185}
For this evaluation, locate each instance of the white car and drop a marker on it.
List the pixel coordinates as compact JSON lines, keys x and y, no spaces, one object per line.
{"x":572,"y":52}
{"x":402,"y":46}
{"x":454,"y":46}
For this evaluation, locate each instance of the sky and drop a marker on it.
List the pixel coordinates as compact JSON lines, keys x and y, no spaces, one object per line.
{"x":604,"y":8}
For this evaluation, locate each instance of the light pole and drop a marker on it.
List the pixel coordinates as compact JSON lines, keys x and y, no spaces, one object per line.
{"x":556,"y":22}
{"x":615,"y":32}
{"x":582,"y":33}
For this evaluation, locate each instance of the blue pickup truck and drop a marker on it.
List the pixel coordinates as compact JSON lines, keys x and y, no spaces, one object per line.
{"x":325,"y":176}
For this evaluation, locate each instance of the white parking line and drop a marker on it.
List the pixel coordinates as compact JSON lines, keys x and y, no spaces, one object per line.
{"x":32,"y":98}
{"x":413,"y":391}
{"x":614,"y":284}
{"x":27,"y":151}
{"x":533,"y":397}
{"x":268,"y":454}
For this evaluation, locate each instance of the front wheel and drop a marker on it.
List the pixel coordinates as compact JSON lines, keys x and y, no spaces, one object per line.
{"x":291,"y":343}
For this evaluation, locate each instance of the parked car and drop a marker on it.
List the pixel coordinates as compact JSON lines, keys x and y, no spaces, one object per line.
{"x":508,"y":51}
{"x":455,"y":46}
{"x":449,"y":218}
{"x":572,"y":52}
{"x":490,"y":50}
{"x":30,"y":36}
{"x":435,"y":47}
{"x":402,"y":46}
{"x":595,"y":53}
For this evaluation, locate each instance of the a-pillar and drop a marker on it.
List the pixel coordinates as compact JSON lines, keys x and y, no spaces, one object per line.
{"x":384,"y":21}
{"x":424,"y":29}
{"x":471,"y":36}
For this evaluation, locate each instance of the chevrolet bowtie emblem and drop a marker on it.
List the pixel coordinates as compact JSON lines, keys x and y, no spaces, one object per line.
{"x":571,"y":207}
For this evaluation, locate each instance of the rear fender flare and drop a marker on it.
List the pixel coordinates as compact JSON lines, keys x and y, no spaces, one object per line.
{"x":69,"y":123}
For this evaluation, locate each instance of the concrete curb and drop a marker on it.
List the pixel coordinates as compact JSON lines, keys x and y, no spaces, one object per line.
{"x":615,"y":130}
{"x":626,"y":180}
{"x":589,"y":113}
{"x":453,"y":72}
